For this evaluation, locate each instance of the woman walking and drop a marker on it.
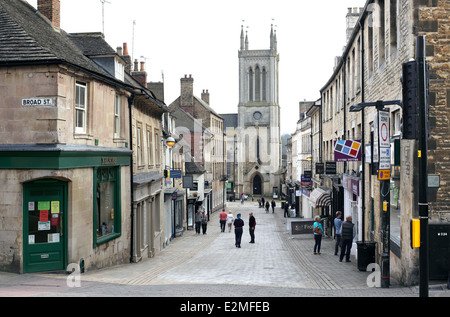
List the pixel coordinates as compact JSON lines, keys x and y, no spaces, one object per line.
{"x":230,"y":220}
{"x":318,"y":230}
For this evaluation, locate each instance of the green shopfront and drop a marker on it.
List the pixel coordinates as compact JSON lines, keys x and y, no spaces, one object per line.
{"x":63,"y":204}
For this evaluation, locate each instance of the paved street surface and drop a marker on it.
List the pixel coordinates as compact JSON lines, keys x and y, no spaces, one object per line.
{"x":277,"y":265}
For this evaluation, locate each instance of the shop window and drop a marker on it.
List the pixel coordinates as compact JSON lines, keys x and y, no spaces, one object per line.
{"x":107,"y":204}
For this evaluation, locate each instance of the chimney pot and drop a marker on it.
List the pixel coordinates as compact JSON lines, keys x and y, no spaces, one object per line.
{"x":125,"y":49}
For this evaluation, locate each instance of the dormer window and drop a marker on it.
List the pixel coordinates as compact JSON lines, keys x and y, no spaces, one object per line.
{"x":119,"y":69}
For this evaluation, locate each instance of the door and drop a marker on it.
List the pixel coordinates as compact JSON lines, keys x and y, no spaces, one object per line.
{"x":257,"y":185}
{"x":44,"y":226}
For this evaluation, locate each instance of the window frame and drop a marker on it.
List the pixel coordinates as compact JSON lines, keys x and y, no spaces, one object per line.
{"x":84,"y":110}
{"x":117,"y":204}
{"x":117,"y":115}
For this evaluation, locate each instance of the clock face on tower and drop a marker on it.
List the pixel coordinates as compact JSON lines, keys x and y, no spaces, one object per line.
{"x":257,"y":115}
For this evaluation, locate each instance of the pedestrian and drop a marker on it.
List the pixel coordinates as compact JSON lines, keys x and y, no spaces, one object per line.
{"x":223,"y":220}
{"x":204,"y":222}
{"x":230,"y":220}
{"x":198,"y":221}
{"x":242,"y":198}
{"x":238,"y":224}
{"x":337,"y":231}
{"x":273,"y":205}
{"x":318,"y":230}
{"x":267,"y":207}
{"x":286,"y":209}
{"x":263,"y":202}
{"x":259,"y":202}
{"x":348,"y":232}
{"x":252,"y":224}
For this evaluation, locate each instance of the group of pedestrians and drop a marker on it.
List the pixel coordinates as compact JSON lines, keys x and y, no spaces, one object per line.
{"x":265,"y":204}
{"x":201,"y":221}
{"x":227,"y":219}
{"x":345,"y":232}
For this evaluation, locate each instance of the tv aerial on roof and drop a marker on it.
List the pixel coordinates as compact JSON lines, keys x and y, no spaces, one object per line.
{"x":103,"y":13}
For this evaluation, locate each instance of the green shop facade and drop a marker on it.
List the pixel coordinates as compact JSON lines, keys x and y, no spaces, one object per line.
{"x":63,"y":204}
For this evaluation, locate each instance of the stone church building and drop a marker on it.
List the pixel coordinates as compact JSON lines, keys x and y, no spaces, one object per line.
{"x":258,"y":124}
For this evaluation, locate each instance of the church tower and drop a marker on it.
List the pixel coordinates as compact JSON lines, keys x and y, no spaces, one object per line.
{"x":259,"y":150}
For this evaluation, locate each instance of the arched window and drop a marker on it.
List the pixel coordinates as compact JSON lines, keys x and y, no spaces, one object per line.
{"x":257,"y":84}
{"x":250,"y":84}
{"x":264,"y":81}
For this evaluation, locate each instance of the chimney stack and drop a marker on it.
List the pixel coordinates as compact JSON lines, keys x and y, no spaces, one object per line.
{"x":205,"y":96}
{"x":51,"y":10}
{"x":127,"y":58}
{"x":140,"y":75}
{"x":187,"y":94}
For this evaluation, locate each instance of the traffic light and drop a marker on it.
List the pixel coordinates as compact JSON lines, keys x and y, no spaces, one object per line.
{"x":167,"y":173}
{"x":410,"y":105}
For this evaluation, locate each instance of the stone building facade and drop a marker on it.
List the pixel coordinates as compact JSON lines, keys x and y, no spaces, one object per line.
{"x":370,"y":69}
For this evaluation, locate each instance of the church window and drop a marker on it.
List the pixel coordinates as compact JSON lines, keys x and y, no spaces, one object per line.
{"x":264,"y":79}
{"x":257,"y":84}
{"x":250,"y":84}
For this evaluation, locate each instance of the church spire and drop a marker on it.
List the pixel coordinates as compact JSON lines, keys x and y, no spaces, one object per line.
{"x":242,"y":38}
{"x":273,"y":38}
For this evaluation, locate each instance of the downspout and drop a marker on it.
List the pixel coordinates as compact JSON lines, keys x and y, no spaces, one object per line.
{"x":363,"y":144}
{"x":344,"y":80}
{"x":130,"y":103}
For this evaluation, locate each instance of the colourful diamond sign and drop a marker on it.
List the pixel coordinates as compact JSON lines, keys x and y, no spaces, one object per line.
{"x":347,"y":150}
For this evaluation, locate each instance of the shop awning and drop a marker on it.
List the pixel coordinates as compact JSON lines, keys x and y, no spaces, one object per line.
{"x":320,"y":198}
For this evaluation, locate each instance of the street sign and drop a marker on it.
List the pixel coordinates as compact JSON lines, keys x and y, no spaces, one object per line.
{"x":383,"y":129}
{"x":385,"y":159}
{"x":384,"y":175}
{"x":175,"y":174}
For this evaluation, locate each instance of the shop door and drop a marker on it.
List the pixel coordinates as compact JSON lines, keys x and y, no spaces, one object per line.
{"x":44,"y":226}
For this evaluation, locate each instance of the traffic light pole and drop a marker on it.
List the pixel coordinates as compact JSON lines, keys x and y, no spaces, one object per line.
{"x":423,"y":166}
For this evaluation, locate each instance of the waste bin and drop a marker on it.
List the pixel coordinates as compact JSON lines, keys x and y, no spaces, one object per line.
{"x":366,"y":254}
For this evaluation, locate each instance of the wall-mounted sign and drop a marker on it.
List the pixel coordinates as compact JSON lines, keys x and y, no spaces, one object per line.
{"x":347,"y":150}
{"x":109,"y":160}
{"x":37,"y":102}
{"x":330,"y":168}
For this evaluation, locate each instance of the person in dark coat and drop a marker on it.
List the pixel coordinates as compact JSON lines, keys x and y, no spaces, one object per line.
{"x":252,"y":224}
{"x":267,"y":206}
{"x":273,"y":205}
{"x":286,"y":209}
{"x":348,"y":233}
{"x":238,"y":224}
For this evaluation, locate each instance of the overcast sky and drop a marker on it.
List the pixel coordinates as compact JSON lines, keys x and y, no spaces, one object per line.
{"x":202,"y":38}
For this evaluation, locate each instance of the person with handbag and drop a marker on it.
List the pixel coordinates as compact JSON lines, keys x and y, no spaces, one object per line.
{"x":318,"y":230}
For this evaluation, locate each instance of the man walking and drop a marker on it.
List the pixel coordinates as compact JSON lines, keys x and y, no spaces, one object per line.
{"x":286,"y":209}
{"x":238,"y":224}
{"x":337,"y":231}
{"x":348,"y":232}
{"x":223,"y":220}
{"x":252,"y":224}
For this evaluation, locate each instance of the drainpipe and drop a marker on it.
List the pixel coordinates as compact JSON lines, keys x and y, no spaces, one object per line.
{"x":130,"y":103}
{"x":363,"y":143}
